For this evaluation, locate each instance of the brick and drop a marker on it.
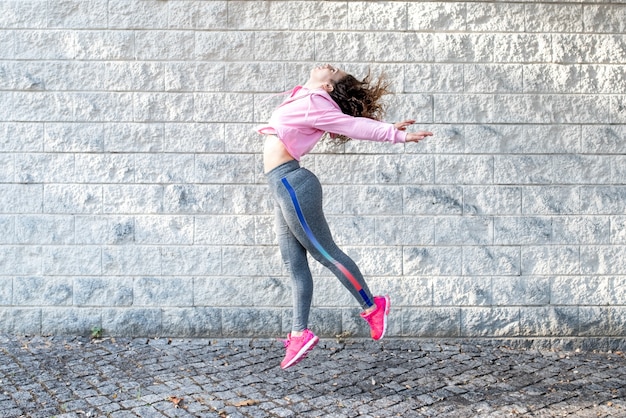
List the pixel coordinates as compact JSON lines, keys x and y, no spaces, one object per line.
{"x":245,"y":77}
{"x":432,"y":322}
{"x":523,"y":230}
{"x":355,"y":169}
{"x":521,"y":291}
{"x":73,"y":198}
{"x":462,"y":291}
{"x":194,"y":137}
{"x":162,"y":229}
{"x":195,"y":322}
{"x":604,"y":18}
{"x":462,"y":108}
{"x":7,"y":227}
{"x":198,"y":15}
{"x":78,"y":14}
{"x":209,"y":46}
{"x":224,"y":168}
{"x":165,"y":45}
{"x":588,"y":48}
{"x":224,"y":230}
{"x":437,"y":16}
{"x":495,"y":17}
{"x":421,"y":110}
{"x":71,"y":260}
{"x":500,"y":321}
{"x":190,"y":76}
{"x":464,"y":47}
{"x":373,"y":261}
{"x":553,"y":78}
{"x":366,"y":16}
{"x":261,"y":291}
{"x":104,"y":168}
{"x":133,"y":137}
{"x":490,"y":200}
{"x":102,"y":291}
{"x":472,"y":230}
{"x":44,"y":229}
{"x":23,"y":198}
{"x":491,"y":260}
{"x":137,"y":15}
{"x":554,"y":17}
{"x":241,"y":322}
{"x":544,"y":200}
{"x":432,"y":261}
{"x":21,"y":321}
{"x":162,"y":291}
{"x":583,"y":290}
{"x":132,"y":199}
{"x":69,"y":321}
{"x":190,"y":260}
{"x":105,"y":45}
{"x":329,"y":15}
{"x":266,"y":261}
{"x":193,"y":198}
{"x":408,"y":230}
{"x":77,"y":137}
{"x":21,"y":260}
{"x":132,"y":76}
{"x":441,"y":200}
{"x":581,"y":230}
{"x":523,"y":169}
{"x":618,"y":229}
{"x":127,"y":260}
{"x":132,"y":322}
{"x":444,"y":78}
{"x":21,"y":137}
{"x":524,"y":48}
{"x":163,"y":107}
{"x":597,"y":200}
{"x":474,"y":169}
{"x":164,"y":168}
{"x":550,"y":259}
{"x":493,"y":78}
{"x":40,"y":167}
{"x":376,"y":200}
{"x":42,"y":291}
{"x":23,"y":14}
{"x":549,"y":320}
{"x":617,"y":111}
{"x":602,"y":259}
{"x":220,"y":107}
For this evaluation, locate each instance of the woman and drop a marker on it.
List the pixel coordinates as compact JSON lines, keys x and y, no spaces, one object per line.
{"x":333,"y":102}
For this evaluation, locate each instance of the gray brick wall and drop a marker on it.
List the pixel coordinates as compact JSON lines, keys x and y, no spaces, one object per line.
{"x":132,"y":196}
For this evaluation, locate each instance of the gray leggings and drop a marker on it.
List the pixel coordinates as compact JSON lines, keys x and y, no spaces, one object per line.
{"x":301,"y":227}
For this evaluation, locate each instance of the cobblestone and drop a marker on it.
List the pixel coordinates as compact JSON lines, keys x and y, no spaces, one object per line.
{"x":129,"y":378}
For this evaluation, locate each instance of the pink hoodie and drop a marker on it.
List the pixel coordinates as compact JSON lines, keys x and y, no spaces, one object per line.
{"x":303,"y":118}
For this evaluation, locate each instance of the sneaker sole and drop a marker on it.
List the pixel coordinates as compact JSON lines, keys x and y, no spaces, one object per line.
{"x":302,"y":353}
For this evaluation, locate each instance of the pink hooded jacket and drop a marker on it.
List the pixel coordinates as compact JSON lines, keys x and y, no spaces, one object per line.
{"x":303,"y":118}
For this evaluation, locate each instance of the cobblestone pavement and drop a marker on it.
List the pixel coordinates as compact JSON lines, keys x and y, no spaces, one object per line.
{"x":74,"y":377}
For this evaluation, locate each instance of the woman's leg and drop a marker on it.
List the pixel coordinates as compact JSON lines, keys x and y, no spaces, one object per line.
{"x":301,"y":207}
{"x":295,"y":259}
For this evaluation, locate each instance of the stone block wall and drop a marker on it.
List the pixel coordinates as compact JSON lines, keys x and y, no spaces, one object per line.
{"x":132,"y":197}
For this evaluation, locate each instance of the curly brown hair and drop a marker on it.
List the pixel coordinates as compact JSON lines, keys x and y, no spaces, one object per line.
{"x":360,"y":98}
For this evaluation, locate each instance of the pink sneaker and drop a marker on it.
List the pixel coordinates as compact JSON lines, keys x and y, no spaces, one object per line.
{"x":298,"y":348}
{"x":378,"y":318}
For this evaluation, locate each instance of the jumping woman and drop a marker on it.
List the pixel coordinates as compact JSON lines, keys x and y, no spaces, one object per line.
{"x":337,"y":103}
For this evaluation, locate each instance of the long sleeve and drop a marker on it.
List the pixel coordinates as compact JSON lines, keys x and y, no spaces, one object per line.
{"x":329,"y":118}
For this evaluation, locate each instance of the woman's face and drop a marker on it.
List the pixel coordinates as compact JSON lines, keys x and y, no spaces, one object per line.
{"x":326,"y":73}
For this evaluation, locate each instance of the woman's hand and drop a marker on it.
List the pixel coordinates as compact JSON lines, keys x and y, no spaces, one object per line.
{"x":401,"y":126}
{"x":417,"y":136}
{"x":411,"y":136}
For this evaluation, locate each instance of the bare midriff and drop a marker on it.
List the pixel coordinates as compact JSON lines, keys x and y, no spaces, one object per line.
{"x":274,"y":153}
